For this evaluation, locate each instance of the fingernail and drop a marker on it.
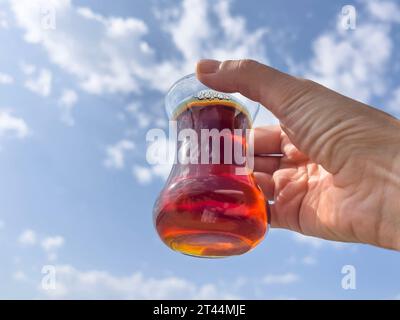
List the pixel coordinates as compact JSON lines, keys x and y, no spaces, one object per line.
{"x":208,"y":66}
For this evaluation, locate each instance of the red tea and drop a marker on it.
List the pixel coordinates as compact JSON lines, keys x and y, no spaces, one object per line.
{"x":209,"y":210}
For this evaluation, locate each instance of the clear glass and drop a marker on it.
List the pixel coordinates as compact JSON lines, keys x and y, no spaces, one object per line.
{"x":189,"y":86}
{"x":206,"y":208}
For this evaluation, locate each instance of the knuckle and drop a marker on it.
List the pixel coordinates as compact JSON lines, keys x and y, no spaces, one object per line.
{"x":244,"y":69}
{"x":246,"y":65}
{"x":227,"y":64}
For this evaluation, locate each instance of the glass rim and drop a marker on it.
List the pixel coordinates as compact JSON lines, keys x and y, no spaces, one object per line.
{"x":251,"y":106}
{"x":190,"y":75}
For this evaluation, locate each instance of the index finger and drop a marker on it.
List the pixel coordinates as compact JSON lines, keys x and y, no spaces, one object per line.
{"x":267,"y":140}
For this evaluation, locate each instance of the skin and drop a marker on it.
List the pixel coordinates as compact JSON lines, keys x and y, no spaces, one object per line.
{"x":339,"y":176}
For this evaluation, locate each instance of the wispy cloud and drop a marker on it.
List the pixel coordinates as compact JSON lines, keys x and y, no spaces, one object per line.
{"x":309,"y":260}
{"x":124,"y":61}
{"x":145,"y":174}
{"x":195,"y":35}
{"x":282,"y":279}
{"x":355,"y":62}
{"x":51,"y":245}
{"x":67,"y":101}
{"x":318,"y":243}
{"x":142,"y":174}
{"x":116,"y":154}
{"x":40,"y":83}
{"x":93,"y":284}
{"x":160,"y":157}
{"x":387,"y":11}
{"x":311,"y":241}
{"x":12,"y":126}
{"x":6,"y":78}
{"x":107,"y":55}
{"x":28,"y":238}
{"x":19,"y":275}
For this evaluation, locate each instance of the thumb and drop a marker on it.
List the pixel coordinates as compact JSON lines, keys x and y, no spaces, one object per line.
{"x":252,"y":79}
{"x":316,"y":119}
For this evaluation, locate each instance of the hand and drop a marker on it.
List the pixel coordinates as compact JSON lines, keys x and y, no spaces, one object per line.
{"x":339,"y":177}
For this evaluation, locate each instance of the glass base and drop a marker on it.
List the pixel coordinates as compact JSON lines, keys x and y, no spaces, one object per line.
{"x":209,"y":244}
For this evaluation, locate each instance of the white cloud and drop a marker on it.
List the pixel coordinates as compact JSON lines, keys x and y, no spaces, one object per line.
{"x":142,"y":174}
{"x":143,"y":119}
{"x":309,"y":260}
{"x":27,"y":238}
{"x":282,"y":279}
{"x":116,"y":154}
{"x":160,"y":157}
{"x":41,"y":83}
{"x":318,"y":243}
{"x":11,"y":125}
{"x":110,"y":54}
{"x":50,"y":244}
{"x":353,"y":62}
{"x":2,"y":224}
{"x":75,"y":284}
{"x":188,"y":40}
{"x":162,"y":170}
{"x":6,"y":78}
{"x":311,"y":241}
{"x":72,"y":283}
{"x":68,"y":98}
{"x":107,"y":55}
{"x":145,"y":175}
{"x":122,"y":28}
{"x":387,"y":11}
{"x":67,"y":101}
{"x":196,"y":35}
{"x":19,"y":275}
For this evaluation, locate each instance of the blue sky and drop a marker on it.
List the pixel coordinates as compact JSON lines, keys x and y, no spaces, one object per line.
{"x":76,"y":103}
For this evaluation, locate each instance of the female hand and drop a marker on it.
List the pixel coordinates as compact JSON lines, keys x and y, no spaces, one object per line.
{"x":339,"y":177}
